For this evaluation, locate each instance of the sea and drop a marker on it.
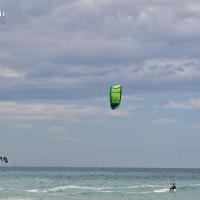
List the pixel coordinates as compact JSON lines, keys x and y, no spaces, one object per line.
{"x":48,"y":183}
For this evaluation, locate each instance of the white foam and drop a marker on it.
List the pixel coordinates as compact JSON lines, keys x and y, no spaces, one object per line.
{"x":147,"y":192}
{"x":106,"y":191}
{"x":62,"y":188}
{"x":34,"y":190}
{"x":161,"y":190}
{"x":99,"y":189}
{"x":103,"y":188}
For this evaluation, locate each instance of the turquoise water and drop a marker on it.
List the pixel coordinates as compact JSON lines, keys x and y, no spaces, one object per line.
{"x":98,"y":184}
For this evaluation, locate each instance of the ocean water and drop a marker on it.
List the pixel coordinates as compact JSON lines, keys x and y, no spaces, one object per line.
{"x":98,"y":184}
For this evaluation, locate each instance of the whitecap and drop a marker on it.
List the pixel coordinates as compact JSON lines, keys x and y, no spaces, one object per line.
{"x":161,"y":190}
{"x":34,"y":190}
{"x":66,"y":187}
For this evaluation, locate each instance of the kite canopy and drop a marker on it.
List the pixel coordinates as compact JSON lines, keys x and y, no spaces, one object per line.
{"x":115,"y":96}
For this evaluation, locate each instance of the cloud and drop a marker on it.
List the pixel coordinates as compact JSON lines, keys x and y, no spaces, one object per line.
{"x":22,"y":125}
{"x":9,"y":73}
{"x":162,"y":121}
{"x":48,"y":111}
{"x":56,"y":129}
{"x":91,"y":44}
{"x":190,"y":104}
{"x":196,"y":126}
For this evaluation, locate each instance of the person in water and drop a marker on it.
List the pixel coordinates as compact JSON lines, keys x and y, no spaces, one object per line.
{"x":173,"y":187}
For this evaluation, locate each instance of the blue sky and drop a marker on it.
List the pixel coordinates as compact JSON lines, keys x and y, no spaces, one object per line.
{"x":57,"y":62}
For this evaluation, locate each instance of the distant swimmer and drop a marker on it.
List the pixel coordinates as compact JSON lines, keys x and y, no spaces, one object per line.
{"x":173,"y":187}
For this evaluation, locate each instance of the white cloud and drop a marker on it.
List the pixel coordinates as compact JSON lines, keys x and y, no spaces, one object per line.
{"x":190,"y":104}
{"x":56,"y":129}
{"x":10,"y":73}
{"x":22,"y":125}
{"x":89,"y":43}
{"x":196,"y":126}
{"x":162,"y":121}
{"x":47,"y":111}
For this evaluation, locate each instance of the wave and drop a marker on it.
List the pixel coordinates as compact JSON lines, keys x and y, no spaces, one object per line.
{"x":161,"y":190}
{"x":62,"y":188}
{"x":34,"y":190}
{"x":108,"y":189}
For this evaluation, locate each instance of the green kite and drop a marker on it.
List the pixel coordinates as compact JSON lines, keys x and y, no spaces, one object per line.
{"x":115,"y":96}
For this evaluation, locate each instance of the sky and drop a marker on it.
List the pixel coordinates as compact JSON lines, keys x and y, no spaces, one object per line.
{"x":57,"y":62}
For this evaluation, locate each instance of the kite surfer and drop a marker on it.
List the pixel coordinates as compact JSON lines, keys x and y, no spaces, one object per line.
{"x":173,"y":187}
